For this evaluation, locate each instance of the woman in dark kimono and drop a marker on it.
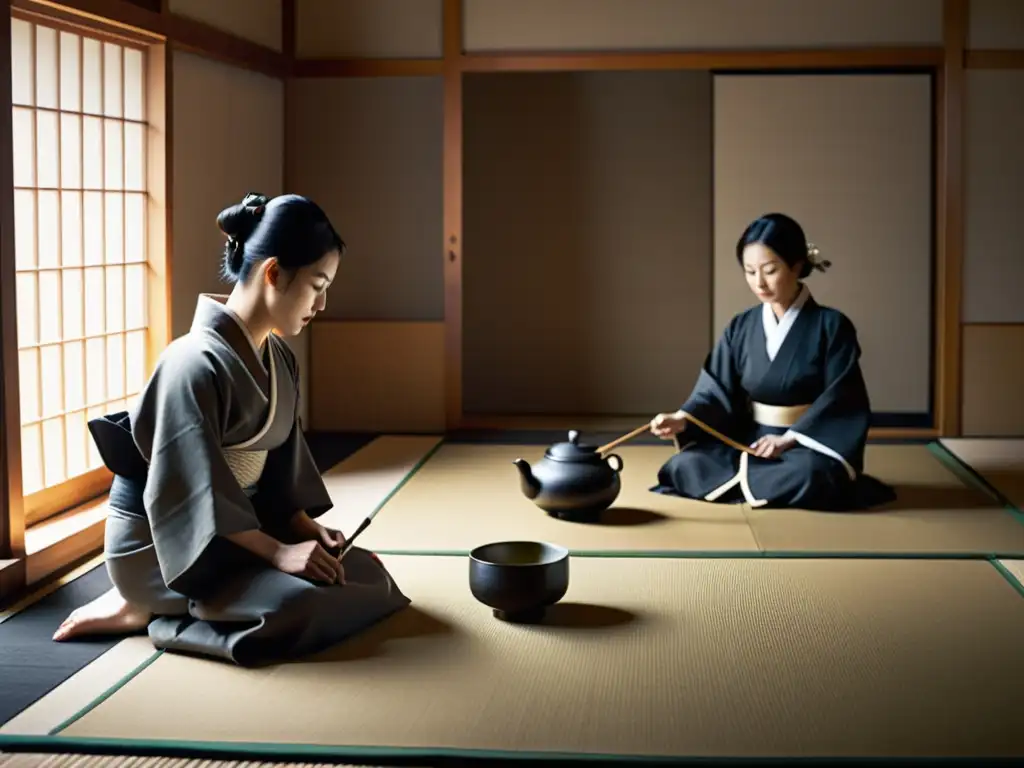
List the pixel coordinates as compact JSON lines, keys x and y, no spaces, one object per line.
{"x":785,"y":379}
{"x":212,"y":542}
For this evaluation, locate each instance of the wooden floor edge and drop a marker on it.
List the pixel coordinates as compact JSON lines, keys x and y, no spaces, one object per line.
{"x":65,"y":552}
{"x":12,"y":584}
{"x":33,"y":593}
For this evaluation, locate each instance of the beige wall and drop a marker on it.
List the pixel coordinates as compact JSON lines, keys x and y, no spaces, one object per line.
{"x":994,"y":170}
{"x":996,"y":24}
{"x":993,"y":380}
{"x":256,"y":20}
{"x":586,"y":221}
{"x":544,"y":25}
{"x":367,"y":28}
{"x":228,"y":134}
{"x":369,"y":151}
{"x":849,"y":157}
{"x":993,"y":313}
{"x":378,"y":376}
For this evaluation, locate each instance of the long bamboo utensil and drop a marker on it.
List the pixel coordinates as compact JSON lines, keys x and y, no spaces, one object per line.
{"x":697,"y":422}
{"x":715,"y":433}
{"x":625,"y":438}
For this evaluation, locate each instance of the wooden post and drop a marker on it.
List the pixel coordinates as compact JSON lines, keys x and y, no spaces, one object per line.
{"x":452,"y":48}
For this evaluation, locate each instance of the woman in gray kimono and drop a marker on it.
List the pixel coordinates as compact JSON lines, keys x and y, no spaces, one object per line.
{"x":212,"y":542}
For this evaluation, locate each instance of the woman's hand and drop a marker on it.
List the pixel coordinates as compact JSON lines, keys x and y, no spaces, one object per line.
{"x":772,"y":446}
{"x":329,"y":537}
{"x":665,"y":425}
{"x":309,"y":559}
{"x":307,"y":529}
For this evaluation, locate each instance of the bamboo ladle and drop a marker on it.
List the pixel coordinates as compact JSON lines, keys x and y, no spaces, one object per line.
{"x":710,"y":430}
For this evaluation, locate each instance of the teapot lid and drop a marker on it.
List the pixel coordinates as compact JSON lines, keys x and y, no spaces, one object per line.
{"x":572,"y":450}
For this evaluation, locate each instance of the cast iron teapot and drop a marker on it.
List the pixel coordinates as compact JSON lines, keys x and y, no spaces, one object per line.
{"x":573,"y":481}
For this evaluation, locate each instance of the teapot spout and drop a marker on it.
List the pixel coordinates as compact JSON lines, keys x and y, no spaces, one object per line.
{"x":527,"y":481}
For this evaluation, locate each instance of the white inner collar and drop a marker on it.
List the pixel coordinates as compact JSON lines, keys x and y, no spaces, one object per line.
{"x":776,"y":330}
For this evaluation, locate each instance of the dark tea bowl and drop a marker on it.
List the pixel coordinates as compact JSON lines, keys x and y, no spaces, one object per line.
{"x":518,"y":580}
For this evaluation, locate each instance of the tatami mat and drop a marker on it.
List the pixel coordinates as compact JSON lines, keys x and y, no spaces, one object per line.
{"x":81,"y":688}
{"x":366,"y":479}
{"x":1000,"y":463}
{"x":936,"y":512}
{"x":648,"y":656}
{"x":465,"y":495}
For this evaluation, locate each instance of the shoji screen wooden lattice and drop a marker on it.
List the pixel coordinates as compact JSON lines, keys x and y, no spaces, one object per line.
{"x":80,"y":228}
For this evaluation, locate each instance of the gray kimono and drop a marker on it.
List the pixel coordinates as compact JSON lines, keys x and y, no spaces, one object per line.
{"x":212,"y":448}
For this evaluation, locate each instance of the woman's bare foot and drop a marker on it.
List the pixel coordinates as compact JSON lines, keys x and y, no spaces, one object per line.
{"x":107,"y":614}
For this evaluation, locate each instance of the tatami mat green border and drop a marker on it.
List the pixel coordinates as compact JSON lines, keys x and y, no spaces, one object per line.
{"x":687,"y":554}
{"x":436,"y":756}
{"x":408,"y":475}
{"x":127,"y":678}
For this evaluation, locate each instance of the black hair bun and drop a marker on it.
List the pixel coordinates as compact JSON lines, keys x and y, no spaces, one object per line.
{"x":238,"y":222}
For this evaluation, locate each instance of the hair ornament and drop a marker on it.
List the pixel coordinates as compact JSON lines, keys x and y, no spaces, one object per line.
{"x":255,"y":204}
{"x":814,"y":257}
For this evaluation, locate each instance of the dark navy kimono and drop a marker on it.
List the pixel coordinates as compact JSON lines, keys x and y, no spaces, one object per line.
{"x":809,"y":359}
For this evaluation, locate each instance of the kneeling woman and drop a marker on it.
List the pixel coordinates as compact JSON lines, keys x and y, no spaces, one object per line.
{"x":211,"y":537}
{"x":785,"y":379}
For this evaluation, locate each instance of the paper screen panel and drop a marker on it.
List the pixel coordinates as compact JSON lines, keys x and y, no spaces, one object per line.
{"x":586,"y":215}
{"x":228,"y":128}
{"x":850,"y":158}
{"x":228,"y":139}
{"x":369,"y":151}
{"x":994,"y":166}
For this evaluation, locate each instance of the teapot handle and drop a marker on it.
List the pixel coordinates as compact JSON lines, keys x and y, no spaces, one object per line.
{"x":618,"y":460}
